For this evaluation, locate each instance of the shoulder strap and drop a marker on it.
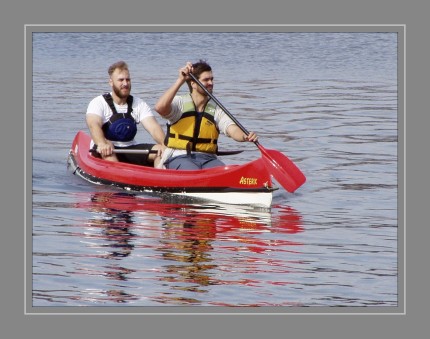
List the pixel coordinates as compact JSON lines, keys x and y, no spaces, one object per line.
{"x":129,"y":104}
{"x":109,"y":100}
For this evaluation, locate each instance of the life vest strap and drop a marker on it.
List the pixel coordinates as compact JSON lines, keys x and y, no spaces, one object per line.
{"x":115,"y":116}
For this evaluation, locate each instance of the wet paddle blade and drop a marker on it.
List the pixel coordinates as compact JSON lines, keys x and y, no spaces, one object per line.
{"x":283,"y":169}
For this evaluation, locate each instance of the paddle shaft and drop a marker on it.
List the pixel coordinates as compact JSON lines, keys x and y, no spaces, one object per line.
{"x":153,"y":151}
{"x":134,"y":151}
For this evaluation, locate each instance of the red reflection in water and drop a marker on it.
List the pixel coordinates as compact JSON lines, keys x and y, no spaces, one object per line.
{"x":193,"y":239}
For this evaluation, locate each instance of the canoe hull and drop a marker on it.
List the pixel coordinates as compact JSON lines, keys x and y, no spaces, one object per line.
{"x":248,"y":184}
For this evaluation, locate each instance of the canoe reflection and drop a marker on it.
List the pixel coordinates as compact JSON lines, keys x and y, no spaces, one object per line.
{"x":187,"y":242}
{"x":116,"y":226}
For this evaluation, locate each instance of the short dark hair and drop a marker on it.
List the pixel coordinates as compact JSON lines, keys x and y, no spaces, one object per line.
{"x":121,"y":65}
{"x":198,"y":68}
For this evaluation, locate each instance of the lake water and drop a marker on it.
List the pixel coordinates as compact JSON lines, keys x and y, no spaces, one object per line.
{"x":326,"y":100}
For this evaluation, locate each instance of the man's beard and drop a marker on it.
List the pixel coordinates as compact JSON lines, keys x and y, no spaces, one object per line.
{"x":203,"y":92}
{"x":119,"y":94}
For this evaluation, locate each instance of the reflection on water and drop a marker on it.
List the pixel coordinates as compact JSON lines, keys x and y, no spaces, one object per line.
{"x":191,"y":247}
{"x":188,"y":242}
{"x":116,"y":238}
{"x":117,"y":234}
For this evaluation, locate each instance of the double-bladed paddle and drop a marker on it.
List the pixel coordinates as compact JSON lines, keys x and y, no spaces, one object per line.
{"x":280,"y":166}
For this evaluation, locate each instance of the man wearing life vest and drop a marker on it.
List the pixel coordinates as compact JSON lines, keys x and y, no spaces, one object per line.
{"x":195,"y":122}
{"x":112,"y":119}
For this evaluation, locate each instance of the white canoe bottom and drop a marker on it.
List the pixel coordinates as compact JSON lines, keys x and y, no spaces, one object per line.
{"x":258,"y":199}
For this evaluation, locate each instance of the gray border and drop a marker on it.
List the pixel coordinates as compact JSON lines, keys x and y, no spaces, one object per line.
{"x":400,"y":29}
{"x":412,"y":13}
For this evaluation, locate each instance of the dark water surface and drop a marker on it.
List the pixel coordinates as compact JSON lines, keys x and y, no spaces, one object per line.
{"x":327,"y":100}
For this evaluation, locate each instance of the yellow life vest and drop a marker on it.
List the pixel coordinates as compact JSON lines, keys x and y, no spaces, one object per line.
{"x":194,"y":131}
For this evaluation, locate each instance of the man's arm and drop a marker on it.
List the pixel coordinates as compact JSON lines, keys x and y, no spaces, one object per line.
{"x":94,"y":123}
{"x":237,"y":134}
{"x":164,"y":104}
{"x":154,"y":129}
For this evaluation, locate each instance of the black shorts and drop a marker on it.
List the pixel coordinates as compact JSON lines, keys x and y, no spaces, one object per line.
{"x":138,"y":159}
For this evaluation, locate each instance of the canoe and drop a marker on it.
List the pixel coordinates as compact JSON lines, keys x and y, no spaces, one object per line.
{"x":238,"y":184}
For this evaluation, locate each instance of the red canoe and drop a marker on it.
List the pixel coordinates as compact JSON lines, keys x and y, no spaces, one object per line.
{"x":248,"y":184}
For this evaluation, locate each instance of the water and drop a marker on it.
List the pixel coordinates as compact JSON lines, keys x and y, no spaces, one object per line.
{"x":327,"y":100}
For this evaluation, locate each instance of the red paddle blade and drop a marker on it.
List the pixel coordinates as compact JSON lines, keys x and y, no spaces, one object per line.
{"x":283,"y":169}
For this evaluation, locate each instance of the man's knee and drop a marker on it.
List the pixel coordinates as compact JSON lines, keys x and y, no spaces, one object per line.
{"x":181,"y":163}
